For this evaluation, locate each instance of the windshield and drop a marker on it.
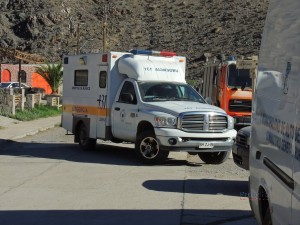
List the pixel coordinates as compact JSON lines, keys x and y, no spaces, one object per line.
{"x":4,"y":85}
{"x":168,"y":91}
{"x":238,"y":78}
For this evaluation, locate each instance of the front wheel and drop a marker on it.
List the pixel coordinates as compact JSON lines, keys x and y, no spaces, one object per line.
{"x":85,"y":142}
{"x":148,"y":150}
{"x":267,"y":219}
{"x":214,"y":157}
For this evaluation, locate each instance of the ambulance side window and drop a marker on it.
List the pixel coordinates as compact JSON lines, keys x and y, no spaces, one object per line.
{"x":81,"y":78}
{"x":127,"y":94}
{"x":102,"y":79}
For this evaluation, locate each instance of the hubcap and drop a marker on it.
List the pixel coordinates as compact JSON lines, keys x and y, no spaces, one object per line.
{"x":149,"y":147}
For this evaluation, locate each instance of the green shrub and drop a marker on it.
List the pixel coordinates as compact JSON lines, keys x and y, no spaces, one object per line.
{"x":42,"y":111}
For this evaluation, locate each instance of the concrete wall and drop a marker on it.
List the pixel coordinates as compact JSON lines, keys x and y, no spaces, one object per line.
{"x":14,"y":99}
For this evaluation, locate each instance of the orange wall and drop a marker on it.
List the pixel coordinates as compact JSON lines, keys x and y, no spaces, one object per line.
{"x":6,"y":77}
{"x":39,"y":81}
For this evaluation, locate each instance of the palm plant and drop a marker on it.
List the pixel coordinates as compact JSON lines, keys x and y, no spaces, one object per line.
{"x":52,"y":73}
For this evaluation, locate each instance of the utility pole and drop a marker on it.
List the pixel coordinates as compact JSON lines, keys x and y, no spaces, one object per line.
{"x":19,"y":73}
{"x":78,"y":37}
{"x":105,"y":30}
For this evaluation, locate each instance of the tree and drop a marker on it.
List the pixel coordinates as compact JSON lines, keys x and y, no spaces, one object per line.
{"x":52,"y":73}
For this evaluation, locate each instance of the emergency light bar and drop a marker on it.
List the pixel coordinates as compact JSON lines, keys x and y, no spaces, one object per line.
{"x":231,"y":58}
{"x":151,"y":52}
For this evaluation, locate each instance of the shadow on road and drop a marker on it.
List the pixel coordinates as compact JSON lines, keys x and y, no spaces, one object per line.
{"x":103,"y":154}
{"x":124,"y":217}
{"x":116,"y":155}
{"x":202,"y":186}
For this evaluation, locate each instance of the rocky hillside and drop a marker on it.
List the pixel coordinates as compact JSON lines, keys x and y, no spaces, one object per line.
{"x":191,"y":28}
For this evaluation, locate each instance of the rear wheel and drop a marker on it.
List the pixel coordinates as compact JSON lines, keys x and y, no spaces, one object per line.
{"x":148,"y":150}
{"x":214,"y":157}
{"x":85,"y":142}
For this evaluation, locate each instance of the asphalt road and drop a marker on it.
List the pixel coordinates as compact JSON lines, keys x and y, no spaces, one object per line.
{"x":46,"y":179}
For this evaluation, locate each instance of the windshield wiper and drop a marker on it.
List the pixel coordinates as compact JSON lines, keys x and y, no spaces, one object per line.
{"x":158,"y":99}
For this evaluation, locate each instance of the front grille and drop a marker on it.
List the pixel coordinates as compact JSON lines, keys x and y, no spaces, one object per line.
{"x":241,"y":139}
{"x":239,"y":105}
{"x":193,"y":122}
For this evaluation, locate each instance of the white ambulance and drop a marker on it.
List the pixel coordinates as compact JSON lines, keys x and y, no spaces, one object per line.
{"x":142,"y":97}
{"x":275,"y":138}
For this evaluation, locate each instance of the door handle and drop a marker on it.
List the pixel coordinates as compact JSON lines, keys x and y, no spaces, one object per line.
{"x":117,"y":108}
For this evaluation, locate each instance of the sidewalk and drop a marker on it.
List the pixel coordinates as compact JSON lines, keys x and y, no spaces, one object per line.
{"x":11,"y":129}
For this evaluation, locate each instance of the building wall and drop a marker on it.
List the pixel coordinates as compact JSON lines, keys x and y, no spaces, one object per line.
{"x":30,"y":75}
{"x":13,"y":69}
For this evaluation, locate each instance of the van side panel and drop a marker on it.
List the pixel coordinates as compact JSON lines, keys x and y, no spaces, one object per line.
{"x":296,"y":164}
{"x":276,"y":115}
{"x":81,"y":92}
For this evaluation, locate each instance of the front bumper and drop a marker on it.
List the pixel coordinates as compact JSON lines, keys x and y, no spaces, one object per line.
{"x":190,"y":142}
{"x":240,"y":155}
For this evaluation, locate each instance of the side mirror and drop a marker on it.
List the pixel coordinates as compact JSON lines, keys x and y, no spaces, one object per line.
{"x":208,"y":100}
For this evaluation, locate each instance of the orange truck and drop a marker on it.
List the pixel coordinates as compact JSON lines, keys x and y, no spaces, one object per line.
{"x":229,"y":84}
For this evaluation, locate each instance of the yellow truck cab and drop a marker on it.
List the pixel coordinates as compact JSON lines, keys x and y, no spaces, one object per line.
{"x":142,"y":97}
{"x":275,"y":136}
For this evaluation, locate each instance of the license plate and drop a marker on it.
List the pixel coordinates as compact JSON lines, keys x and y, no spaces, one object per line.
{"x":206,"y":145}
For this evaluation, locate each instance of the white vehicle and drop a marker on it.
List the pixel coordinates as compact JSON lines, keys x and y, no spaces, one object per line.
{"x":142,"y":98}
{"x":8,"y":85}
{"x":275,"y":137}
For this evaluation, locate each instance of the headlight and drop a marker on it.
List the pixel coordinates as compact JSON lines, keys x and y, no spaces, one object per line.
{"x":161,"y":121}
{"x":230,"y":122}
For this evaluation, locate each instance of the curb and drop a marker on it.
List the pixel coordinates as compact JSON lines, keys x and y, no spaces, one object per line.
{"x":27,"y":128}
{"x":29,"y":133}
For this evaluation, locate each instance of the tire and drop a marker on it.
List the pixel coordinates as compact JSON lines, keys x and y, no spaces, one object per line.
{"x":267,"y":218}
{"x":214,"y":157}
{"x":85,"y":142}
{"x":148,"y":150}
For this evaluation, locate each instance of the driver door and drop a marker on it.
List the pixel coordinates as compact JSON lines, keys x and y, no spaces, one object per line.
{"x":125,"y":111}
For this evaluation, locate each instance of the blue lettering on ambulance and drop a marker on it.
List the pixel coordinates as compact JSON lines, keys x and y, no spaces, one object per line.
{"x":166,"y":70}
{"x":80,"y":88}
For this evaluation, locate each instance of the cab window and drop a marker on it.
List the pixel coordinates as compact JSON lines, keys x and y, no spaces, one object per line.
{"x":127,"y":94}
